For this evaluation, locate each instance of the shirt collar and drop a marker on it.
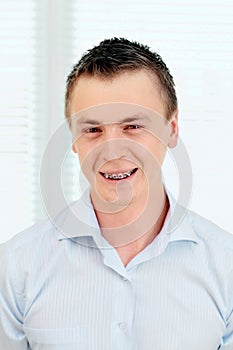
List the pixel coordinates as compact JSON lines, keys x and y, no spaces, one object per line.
{"x":79,"y":220}
{"x":179,"y":224}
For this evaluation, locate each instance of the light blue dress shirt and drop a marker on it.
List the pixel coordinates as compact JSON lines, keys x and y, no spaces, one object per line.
{"x":63,"y":287}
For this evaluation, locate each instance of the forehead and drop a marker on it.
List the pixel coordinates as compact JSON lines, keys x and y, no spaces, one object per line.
{"x":113,"y":113}
{"x":137,"y":87}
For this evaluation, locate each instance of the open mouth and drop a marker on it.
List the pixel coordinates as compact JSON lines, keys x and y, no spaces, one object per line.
{"x":119,"y":176}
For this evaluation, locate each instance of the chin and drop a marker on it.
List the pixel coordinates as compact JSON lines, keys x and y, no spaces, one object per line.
{"x":111,"y":201}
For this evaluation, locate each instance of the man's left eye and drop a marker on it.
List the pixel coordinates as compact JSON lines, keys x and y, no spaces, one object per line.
{"x":132,"y":127}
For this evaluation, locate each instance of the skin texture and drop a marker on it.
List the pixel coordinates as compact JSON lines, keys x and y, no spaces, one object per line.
{"x":117,"y":126}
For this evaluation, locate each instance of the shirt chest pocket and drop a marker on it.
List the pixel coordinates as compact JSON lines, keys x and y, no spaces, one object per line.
{"x":59,"y":339}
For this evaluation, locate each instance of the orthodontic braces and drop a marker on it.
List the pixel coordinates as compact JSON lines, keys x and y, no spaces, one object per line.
{"x":119,"y":176}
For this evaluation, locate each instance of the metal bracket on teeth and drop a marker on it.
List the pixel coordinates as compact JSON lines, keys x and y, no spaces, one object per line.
{"x":116,"y":177}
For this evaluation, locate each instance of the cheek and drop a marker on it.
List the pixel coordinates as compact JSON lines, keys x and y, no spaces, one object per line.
{"x":88,"y":157}
{"x":82,"y":149}
{"x":155,"y":149}
{"x":161,"y":151}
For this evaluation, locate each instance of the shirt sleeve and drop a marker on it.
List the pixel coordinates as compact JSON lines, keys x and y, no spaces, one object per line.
{"x":227,"y":340}
{"x":12,"y":336}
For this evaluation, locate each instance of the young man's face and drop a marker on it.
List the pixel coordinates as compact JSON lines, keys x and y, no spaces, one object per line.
{"x":120,"y":135}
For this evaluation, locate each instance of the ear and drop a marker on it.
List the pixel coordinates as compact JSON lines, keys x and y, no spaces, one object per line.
{"x":174,"y":131}
{"x":74,"y":147}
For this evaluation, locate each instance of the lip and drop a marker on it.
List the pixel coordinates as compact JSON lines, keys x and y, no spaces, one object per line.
{"x":117,"y":171}
{"x":134,"y":171}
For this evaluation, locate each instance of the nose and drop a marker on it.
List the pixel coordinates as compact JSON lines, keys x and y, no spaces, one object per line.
{"x":114,"y":144}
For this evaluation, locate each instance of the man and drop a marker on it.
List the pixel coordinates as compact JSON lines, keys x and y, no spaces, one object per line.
{"x":115,"y":270}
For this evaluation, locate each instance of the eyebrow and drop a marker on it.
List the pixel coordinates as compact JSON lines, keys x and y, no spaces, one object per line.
{"x":130,"y":119}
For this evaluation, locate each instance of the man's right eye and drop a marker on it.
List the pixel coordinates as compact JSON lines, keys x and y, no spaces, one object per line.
{"x":93,"y":130}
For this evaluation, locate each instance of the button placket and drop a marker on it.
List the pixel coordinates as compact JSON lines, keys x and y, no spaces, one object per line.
{"x":123,"y":311}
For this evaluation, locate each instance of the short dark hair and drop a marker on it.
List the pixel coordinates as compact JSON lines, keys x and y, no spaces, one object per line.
{"x":116,"y":55}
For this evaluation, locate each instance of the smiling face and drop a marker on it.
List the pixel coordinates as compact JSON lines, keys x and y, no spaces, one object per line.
{"x":120,"y":135}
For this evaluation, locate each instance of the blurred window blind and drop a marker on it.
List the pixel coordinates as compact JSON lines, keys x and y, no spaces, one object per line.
{"x":17,"y":70}
{"x":36,"y":55}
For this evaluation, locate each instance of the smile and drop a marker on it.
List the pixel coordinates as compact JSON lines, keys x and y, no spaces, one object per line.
{"x":119,"y":176}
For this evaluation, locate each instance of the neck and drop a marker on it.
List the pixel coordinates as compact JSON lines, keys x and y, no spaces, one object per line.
{"x":134,"y":227}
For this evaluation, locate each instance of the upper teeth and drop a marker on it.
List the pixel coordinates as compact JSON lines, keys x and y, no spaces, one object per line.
{"x":117,"y":176}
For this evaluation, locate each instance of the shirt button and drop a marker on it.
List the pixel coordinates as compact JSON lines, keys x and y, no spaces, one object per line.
{"x":122,"y":326}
